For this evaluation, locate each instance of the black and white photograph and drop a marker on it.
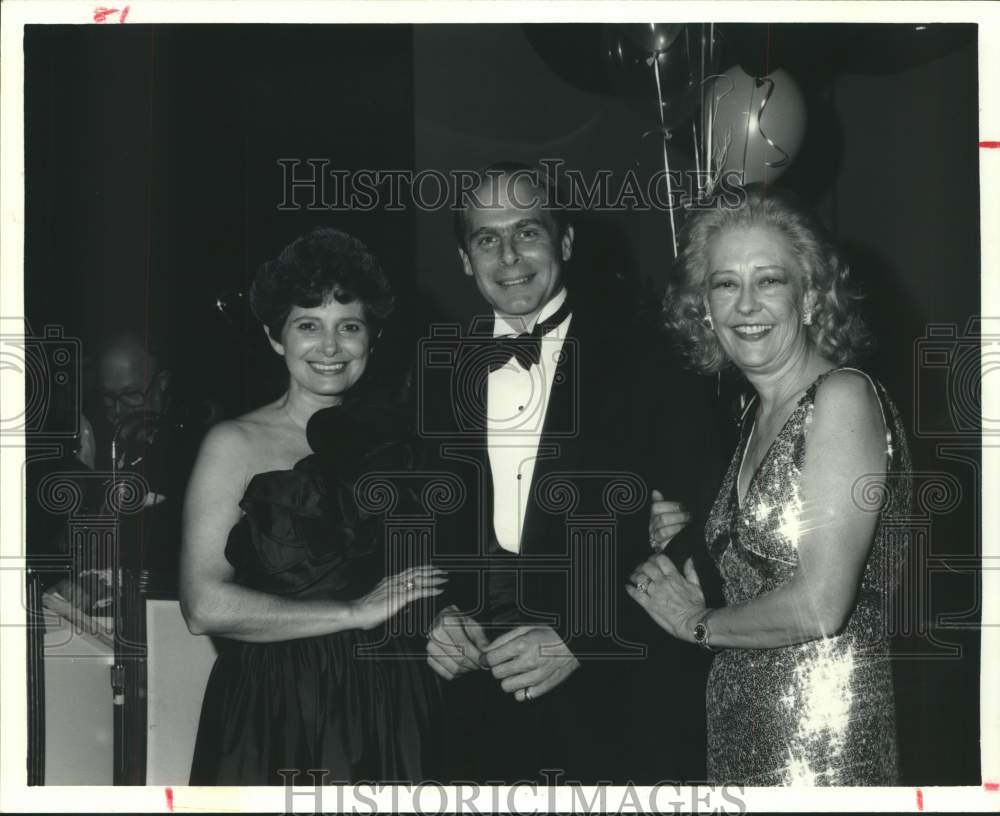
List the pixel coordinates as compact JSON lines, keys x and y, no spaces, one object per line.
{"x":482,"y":408}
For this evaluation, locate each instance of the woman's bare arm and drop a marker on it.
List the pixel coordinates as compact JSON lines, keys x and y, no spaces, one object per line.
{"x":214,"y":604}
{"x":834,"y":535}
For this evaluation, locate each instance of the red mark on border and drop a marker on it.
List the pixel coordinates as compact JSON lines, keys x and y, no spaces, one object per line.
{"x":993,"y":787}
{"x":170,"y":799}
{"x":990,"y":144}
{"x":101,"y":14}
{"x":920,"y":799}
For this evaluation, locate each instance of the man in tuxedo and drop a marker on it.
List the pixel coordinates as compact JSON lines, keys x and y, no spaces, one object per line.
{"x":560,"y":426}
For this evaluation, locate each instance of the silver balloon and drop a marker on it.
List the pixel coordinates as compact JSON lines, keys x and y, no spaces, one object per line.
{"x":757,"y":124}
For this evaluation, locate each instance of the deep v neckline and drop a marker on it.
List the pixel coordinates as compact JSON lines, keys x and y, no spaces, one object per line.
{"x":741,"y":501}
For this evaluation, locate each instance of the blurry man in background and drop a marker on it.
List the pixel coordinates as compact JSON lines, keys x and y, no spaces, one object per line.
{"x":130,"y":380}
{"x":132,"y":433}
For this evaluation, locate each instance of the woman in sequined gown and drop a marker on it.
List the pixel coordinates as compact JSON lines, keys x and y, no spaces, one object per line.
{"x":806,"y":530}
{"x":285,"y":568}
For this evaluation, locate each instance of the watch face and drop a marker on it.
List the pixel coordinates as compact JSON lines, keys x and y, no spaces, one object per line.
{"x":700,"y":632}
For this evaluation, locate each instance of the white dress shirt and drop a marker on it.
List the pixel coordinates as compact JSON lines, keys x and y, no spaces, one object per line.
{"x":516,"y":403}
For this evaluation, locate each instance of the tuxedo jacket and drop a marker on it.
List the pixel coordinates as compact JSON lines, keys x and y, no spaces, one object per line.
{"x":621,"y":419}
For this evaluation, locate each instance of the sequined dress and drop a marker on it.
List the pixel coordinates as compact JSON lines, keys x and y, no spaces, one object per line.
{"x":816,"y":713}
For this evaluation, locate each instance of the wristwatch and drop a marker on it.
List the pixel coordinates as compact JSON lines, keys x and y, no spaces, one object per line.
{"x":702,"y":634}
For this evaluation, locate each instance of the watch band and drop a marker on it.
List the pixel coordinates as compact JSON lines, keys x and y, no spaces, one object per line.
{"x":702,"y":634}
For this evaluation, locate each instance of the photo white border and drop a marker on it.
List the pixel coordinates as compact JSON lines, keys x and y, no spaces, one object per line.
{"x":15,"y":14}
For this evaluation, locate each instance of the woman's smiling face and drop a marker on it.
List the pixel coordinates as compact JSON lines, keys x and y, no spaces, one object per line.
{"x":755,"y":292}
{"x":325,"y":347}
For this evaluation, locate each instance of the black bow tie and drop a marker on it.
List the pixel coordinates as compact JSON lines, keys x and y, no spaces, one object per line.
{"x":526,"y":348}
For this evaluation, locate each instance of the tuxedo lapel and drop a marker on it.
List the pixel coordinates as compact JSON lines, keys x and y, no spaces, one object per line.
{"x":481,"y":334}
{"x":559,"y":448}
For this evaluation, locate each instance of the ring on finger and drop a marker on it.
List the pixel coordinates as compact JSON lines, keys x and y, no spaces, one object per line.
{"x":643,"y":585}
{"x":527,"y":695}
{"x":409,"y":586}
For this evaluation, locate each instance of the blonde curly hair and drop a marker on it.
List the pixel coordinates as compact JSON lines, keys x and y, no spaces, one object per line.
{"x":838,"y":332}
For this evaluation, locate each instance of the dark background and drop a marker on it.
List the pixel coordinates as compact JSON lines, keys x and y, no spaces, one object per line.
{"x":153,"y":187}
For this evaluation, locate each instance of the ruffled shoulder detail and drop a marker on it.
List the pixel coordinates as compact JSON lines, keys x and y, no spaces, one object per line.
{"x":290,"y":540}
{"x":357,"y":438}
{"x":302,"y":532}
{"x":301,"y":489}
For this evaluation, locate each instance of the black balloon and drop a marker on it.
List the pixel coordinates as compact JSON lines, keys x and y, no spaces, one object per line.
{"x":572,"y":52}
{"x":808,"y":51}
{"x":650,"y":37}
{"x":628,"y":54}
{"x":886,"y":49}
{"x":749,"y":45}
{"x":630,"y":62}
{"x":819,"y":51}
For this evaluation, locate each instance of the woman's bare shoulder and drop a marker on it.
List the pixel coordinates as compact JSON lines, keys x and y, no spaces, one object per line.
{"x":847,"y":390}
{"x":262,"y":440}
{"x":847,"y":412}
{"x":227,"y":443}
{"x":254,"y":429}
{"x":266,"y":418}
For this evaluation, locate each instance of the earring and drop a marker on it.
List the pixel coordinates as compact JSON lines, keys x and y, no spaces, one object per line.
{"x":807,"y":319}
{"x":371,"y":348}
{"x":706,"y":321}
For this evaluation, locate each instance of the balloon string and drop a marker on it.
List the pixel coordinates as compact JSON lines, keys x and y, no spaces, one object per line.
{"x":746,"y":141}
{"x":709,"y":144}
{"x":694,"y":129}
{"x":760,"y":113}
{"x":701,"y":87}
{"x":711,"y":112}
{"x":712,"y":153}
{"x":697,"y":159}
{"x":666,"y":160}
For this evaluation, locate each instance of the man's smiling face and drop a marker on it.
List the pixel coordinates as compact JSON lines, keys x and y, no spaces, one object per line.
{"x":512,"y":247}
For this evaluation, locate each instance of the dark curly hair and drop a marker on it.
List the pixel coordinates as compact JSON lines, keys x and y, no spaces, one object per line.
{"x":313,"y":268}
{"x":837,"y":331}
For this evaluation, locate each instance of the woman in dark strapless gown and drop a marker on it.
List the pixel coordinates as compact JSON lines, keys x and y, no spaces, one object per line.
{"x":809,"y":525}
{"x":319,"y":669}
